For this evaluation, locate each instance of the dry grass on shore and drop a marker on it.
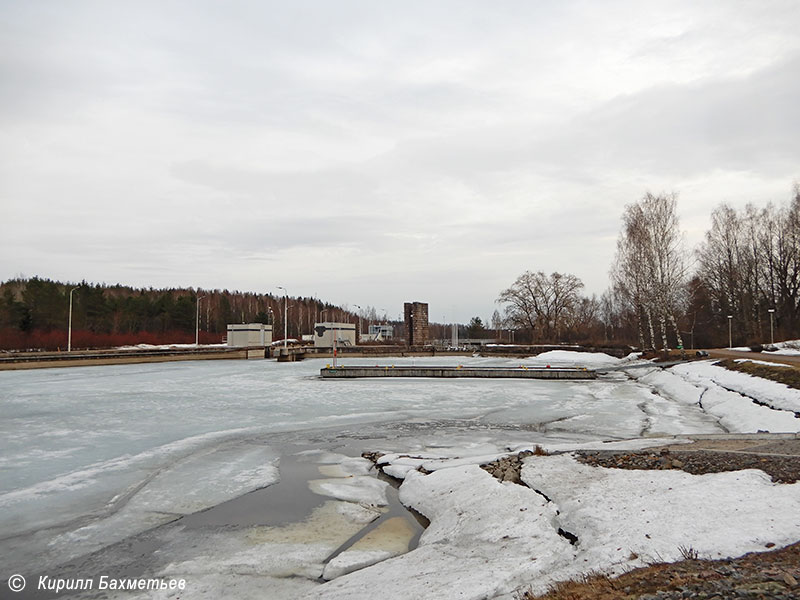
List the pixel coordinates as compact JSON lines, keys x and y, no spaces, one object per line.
{"x":773,"y":574}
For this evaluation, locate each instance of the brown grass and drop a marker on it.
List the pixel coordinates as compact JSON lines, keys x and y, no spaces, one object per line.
{"x":780,"y":568}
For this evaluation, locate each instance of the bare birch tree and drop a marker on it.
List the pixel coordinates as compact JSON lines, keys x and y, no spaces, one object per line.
{"x":650,"y":266}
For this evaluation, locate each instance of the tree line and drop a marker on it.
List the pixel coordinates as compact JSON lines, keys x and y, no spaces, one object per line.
{"x":743,"y":280}
{"x":34,"y":313}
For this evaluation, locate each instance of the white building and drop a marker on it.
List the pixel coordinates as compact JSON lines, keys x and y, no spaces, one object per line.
{"x":249,"y":334}
{"x":324,"y":332}
{"x":379,"y":333}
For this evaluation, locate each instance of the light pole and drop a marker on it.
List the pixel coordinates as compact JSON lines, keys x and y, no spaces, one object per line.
{"x":69,"y":327}
{"x":285,"y":315}
{"x":730,"y":342}
{"x":360,"y":310}
{"x":197,"y":322}
{"x":771,"y":312}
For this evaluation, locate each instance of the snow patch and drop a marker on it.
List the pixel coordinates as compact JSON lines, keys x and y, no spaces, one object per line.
{"x":626,"y":518}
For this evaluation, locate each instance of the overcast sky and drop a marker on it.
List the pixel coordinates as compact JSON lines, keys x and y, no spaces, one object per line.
{"x":373,"y":153}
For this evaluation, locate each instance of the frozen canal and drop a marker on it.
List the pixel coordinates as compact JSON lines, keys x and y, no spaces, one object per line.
{"x":92,"y":456}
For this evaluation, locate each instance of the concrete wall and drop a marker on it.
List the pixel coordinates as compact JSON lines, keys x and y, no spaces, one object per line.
{"x":457,"y":372}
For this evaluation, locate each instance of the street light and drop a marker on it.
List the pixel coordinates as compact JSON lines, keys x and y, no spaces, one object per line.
{"x":197,"y":322}
{"x":69,"y":327}
{"x":359,"y":320}
{"x":771,"y":312}
{"x":730,"y":342}
{"x":285,"y":315}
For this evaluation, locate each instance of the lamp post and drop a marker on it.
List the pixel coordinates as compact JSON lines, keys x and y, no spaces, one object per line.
{"x":285,"y":315}
{"x":730,"y":342}
{"x":358,"y":333}
{"x":271,"y":322}
{"x":69,"y":327}
{"x":197,"y":322}
{"x":771,"y":312}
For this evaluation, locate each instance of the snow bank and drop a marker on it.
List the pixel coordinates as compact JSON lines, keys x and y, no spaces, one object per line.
{"x":489,"y":539}
{"x":776,"y":395}
{"x":762,"y":362}
{"x":627,"y":518}
{"x":727,"y":396}
{"x":570,"y":358}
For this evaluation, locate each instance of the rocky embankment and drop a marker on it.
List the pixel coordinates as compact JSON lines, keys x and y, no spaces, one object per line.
{"x":782,"y":468}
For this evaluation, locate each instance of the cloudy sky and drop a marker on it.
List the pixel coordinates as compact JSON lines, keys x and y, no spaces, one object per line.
{"x":373,"y":153}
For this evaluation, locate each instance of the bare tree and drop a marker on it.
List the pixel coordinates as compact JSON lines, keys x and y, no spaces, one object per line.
{"x":541,"y":303}
{"x":650,"y":268}
{"x":750,"y":262}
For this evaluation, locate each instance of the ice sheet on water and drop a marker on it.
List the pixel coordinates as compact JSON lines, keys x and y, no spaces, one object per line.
{"x":262,"y":562}
{"x":334,"y":464}
{"x":359,"y":488}
{"x":200,"y":480}
{"x":76,"y":443}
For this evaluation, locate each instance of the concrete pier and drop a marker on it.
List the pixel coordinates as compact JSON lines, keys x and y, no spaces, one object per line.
{"x":457,"y":372}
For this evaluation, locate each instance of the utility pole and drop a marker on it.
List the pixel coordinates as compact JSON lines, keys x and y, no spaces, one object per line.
{"x":730,"y":342}
{"x":69,"y":328}
{"x":197,"y":322}
{"x":285,"y":315}
{"x":771,"y":312}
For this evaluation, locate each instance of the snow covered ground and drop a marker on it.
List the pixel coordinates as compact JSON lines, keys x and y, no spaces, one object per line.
{"x":90,"y":456}
{"x":490,"y":539}
{"x":740,"y":402}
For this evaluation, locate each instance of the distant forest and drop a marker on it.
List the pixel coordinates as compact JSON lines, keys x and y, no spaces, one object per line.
{"x":34,"y":314}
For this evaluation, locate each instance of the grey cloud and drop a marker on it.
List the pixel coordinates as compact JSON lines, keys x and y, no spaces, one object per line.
{"x":748,"y":123}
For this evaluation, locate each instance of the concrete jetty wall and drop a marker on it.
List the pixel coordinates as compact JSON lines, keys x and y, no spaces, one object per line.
{"x":457,"y":372}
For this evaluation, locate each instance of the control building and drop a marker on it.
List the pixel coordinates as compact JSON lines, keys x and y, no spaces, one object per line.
{"x":324,"y":332}
{"x":242,"y":335}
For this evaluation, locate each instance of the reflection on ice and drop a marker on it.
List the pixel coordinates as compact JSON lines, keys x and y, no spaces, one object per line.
{"x":390,"y":538}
